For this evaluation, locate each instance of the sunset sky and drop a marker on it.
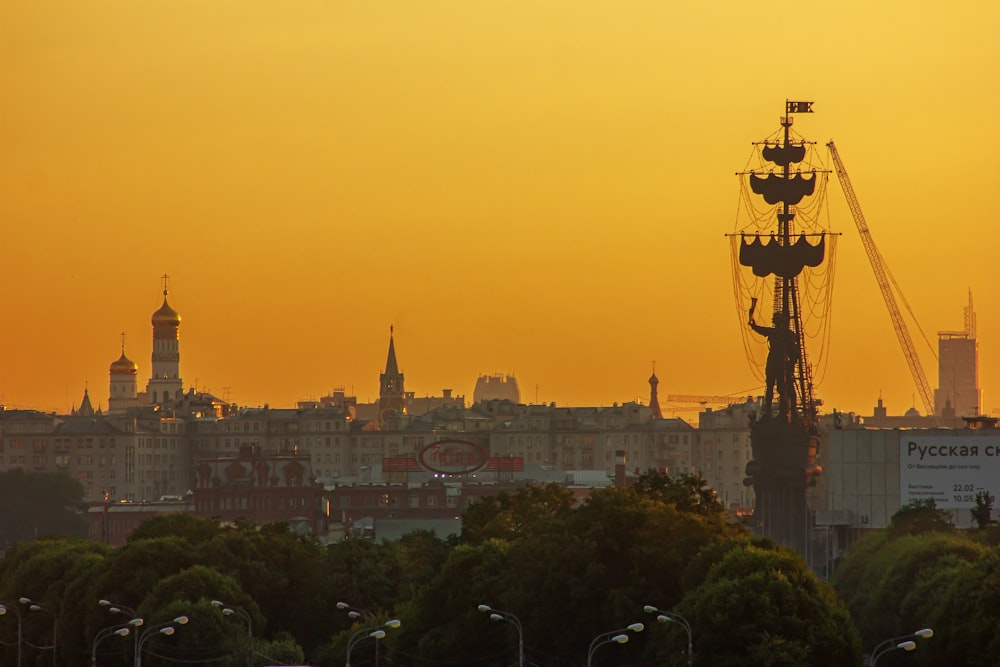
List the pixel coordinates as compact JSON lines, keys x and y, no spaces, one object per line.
{"x":538,"y":187}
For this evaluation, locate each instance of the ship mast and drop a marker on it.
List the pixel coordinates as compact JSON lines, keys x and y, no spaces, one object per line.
{"x":787,"y":289}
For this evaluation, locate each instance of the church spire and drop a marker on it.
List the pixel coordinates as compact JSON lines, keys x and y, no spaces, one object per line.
{"x":654,"y":400}
{"x":86,"y":408}
{"x":391,"y":367}
{"x":391,"y":396}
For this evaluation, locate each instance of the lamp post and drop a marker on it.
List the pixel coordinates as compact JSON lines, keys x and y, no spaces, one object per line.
{"x":673,"y":617}
{"x":35,"y":606}
{"x":4,"y":606}
{"x":903,"y":642}
{"x":619,"y":636}
{"x":104,"y":633}
{"x":133,"y":616}
{"x":497,"y":615}
{"x":356,"y":613}
{"x":229,"y":610}
{"x":163,"y":629}
{"x":116,"y":608}
{"x":375,"y":632}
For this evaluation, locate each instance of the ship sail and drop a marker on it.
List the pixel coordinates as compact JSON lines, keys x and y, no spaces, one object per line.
{"x":786,"y":261}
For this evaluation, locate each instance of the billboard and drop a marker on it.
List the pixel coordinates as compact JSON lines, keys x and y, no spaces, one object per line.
{"x":950,"y":470}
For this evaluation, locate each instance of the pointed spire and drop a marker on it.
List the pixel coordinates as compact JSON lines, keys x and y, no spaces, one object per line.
{"x":391,"y":367}
{"x":86,"y":409}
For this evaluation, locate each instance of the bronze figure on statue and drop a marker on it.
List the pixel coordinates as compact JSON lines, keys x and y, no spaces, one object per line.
{"x":783,"y":353}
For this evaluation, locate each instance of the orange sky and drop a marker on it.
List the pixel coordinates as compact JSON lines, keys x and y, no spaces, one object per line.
{"x":539,"y":188}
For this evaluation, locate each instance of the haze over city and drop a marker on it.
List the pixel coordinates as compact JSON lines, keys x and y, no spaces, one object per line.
{"x":540,"y":189}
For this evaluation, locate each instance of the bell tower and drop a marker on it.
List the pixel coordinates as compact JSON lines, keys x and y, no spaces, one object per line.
{"x":165,"y":385}
{"x":123,"y":373}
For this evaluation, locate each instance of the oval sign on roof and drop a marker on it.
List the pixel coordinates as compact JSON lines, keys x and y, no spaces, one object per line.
{"x":453,"y":457}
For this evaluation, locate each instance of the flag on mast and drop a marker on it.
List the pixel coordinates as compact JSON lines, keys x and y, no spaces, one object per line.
{"x":798,"y":107}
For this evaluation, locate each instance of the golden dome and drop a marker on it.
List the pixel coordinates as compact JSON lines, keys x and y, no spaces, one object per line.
{"x":124,"y":366}
{"x":166,"y":315}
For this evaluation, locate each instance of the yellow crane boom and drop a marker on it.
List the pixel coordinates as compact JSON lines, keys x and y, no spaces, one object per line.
{"x":882,"y":277}
{"x":691,"y":398}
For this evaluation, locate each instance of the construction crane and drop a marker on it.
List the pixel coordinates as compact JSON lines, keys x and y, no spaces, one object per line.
{"x":883,"y":279}
{"x":722,"y":400}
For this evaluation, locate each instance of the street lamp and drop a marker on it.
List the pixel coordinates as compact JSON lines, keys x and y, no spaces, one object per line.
{"x":903,"y":642}
{"x":375,"y":632}
{"x":229,"y":610}
{"x":4,"y":606}
{"x":164,"y":629}
{"x":356,"y":612}
{"x":116,"y":608}
{"x":104,"y":633}
{"x":673,"y":617}
{"x":133,"y":615}
{"x":35,"y":606}
{"x":497,"y":615}
{"x":619,"y":636}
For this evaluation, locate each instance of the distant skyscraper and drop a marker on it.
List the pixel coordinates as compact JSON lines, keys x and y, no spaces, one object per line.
{"x":165,"y":384}
{"x":491,"y":387}
{"x":958,"y":370}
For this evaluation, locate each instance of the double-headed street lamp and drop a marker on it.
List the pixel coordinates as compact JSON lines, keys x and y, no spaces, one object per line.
{"x":673,"y":617}
{"x":133,"y":616}
{"x":116,"y":608}
{"x":497,"y":615}
{"x":163,"y":629}
{"x":229,"y":610}
{"x":903,"y":642}
{"x":619,"y":636}
{"x":4,"y":606}
{"x":115,"y":630}
{"x":375,"y":632}
{"x":35,"y":606}
{"x":356,"y":612}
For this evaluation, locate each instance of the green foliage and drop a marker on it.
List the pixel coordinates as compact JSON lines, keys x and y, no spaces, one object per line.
{"x":982,"y":513}
{"x":890,"y":585}
{"x":282,"y":650}
{"x":34,"y":505}
{"x":582,"y":569}
{"x":965,"y":620}
{"x":180,"y":524}
{"x":765,"y":602}
{"x":920,"y":516}
{"x":505,"y":516}
{"x":689,"y":493}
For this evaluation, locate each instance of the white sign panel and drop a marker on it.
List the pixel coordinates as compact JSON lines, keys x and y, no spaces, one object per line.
{"x":950,"y":470}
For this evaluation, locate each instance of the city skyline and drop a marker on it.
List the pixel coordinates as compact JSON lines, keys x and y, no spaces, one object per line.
{"x":538,"y":190}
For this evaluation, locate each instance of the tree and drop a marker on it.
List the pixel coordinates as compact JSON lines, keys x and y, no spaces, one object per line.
{"x":982,"y":513}
{"x":180,"y":524}
{"x":34,"y":505}
{"x":965,"y":622}
{"x":766,"y":603}
{"x":689,"y":493}
{"x":505,"y":515}
{"x":920,"y":516}
{"x":442,"y":624}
